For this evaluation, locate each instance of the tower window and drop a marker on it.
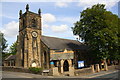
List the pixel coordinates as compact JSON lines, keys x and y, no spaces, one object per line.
{"x":23,"y":22}
{"x":33,"y":22}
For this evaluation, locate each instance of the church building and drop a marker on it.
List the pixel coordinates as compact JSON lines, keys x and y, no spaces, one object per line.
{"x":36,"y":50}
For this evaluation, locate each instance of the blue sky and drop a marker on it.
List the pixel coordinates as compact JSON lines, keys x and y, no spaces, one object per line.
{"x":57,"y":17}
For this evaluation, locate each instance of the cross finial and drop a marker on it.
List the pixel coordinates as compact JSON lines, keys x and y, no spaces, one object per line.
{"x":39,"y":11}
{"x":20,"y":13}
{"x":27,"y":7}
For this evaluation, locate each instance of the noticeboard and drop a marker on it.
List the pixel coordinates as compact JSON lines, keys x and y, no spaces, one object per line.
{"x":80,"y":64}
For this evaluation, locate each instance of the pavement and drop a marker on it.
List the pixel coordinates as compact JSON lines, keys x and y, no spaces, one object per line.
{"x":7,"y":74}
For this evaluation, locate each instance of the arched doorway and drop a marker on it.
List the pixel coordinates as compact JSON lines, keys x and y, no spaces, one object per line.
{"x":34,"y":63}
{"x":66,"y":66}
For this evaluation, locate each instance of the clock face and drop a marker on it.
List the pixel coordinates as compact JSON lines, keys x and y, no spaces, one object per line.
{"x":34,"y":34}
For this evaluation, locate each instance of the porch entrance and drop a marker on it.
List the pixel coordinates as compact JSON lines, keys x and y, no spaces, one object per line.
{"x":66,"y":66}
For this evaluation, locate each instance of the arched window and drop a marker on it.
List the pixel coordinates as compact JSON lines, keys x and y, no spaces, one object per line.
{"x":24,"y":23}
{"x":33,"y":22}
{"x":45,"y":59}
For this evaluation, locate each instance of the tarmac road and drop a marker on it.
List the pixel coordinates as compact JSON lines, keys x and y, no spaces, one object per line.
{"x":111,"y":75}
{"x":105,"y":75}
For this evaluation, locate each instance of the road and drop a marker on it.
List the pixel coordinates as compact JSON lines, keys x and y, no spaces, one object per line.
{"x":6,"y":74}
{"x":113,"y":75}
{"x":103,"y":74}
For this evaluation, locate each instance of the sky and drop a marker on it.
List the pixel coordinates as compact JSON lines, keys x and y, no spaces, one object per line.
{"x":57,"y":16}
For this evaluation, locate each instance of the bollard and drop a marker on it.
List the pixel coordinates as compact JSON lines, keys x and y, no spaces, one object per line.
{"x":105,"y":65}
{"x":92,"y":67}
{"x":105,"y":68}
{"x":97,"y":67}
{"x":55,"y":71}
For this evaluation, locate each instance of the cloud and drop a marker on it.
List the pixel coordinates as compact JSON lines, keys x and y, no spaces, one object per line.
{"x":37,"y":0}
{"x":48,"y":18}
{"x":45,"y":26}
{"x":61,"y":28}
{"x":10,"y":29}
{"x":68,"y":19}
{"x":8,"y":16}
{"x":89,"y":3}
{"x":61,"y":4}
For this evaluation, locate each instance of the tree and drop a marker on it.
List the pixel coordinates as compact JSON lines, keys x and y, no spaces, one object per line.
{"x":13,"y":48}
{"x":3,"y":45}
{"x":99,"y":30}
{"x":3,"y":42}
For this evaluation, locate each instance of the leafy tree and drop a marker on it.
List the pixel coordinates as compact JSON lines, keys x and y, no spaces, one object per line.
{"x":13,"y":48}
{"x":3,"y":42}
{"x":99,"y":30}
{"x":3,"y":46}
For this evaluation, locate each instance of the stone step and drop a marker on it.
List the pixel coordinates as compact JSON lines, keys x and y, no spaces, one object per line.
{"x":65,"y":74}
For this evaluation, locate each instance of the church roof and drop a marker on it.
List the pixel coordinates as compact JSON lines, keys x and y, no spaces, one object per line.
{"x":59,"y":43}
{"x":11,"y":57}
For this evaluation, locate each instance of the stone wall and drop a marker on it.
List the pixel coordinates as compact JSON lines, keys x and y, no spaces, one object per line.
{"x":86,"y":71}
{"x":114,"y":67}
{"x":15,"y":69}
{"x":83,"y":71}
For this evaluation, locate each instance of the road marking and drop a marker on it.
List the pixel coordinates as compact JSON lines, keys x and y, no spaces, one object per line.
{"x":102,"y":74}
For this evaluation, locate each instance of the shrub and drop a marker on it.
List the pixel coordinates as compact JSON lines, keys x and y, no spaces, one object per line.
{"x":35,"y":70}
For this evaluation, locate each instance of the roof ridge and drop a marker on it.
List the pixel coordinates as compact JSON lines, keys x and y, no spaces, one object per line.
{"x":8,"y":56}
{"x":59,"y":38}
{"x":61,"y":43}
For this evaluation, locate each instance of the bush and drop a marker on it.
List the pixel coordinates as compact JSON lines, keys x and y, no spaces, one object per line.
{"x":35,"y":70}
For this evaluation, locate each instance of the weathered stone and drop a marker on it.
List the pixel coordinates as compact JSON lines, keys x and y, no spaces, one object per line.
{"x":97,"y":67}
{"x":26,"y":53}
{"x":92,"y":68}
{"x":55,"y":71}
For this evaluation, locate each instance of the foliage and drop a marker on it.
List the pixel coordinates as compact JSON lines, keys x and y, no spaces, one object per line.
{"x":3,"y":42}
{"x":13,"y":48}
{"x":35,"y":70}
{"x":3,"y":45}
{"x":99,"y":30}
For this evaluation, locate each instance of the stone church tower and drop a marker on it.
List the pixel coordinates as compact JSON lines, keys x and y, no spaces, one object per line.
{"x":29,"y":53}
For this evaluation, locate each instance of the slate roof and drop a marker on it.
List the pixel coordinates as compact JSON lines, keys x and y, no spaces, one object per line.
{"x":11,"y":57}
{"x":59,"y":43}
